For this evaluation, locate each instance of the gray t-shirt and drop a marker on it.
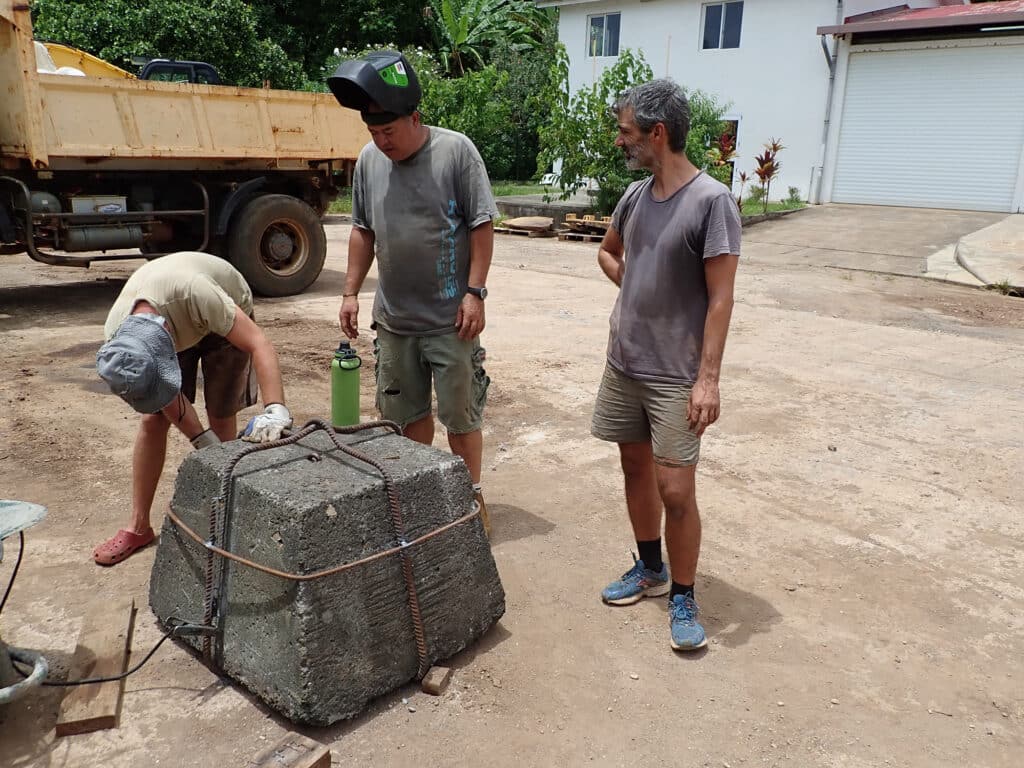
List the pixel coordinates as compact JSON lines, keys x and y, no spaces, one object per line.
{"x":420,"y":211}
{"x":657,"y":326}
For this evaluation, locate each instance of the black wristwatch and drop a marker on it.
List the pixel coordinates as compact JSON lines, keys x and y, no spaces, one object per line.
{"x":480,"y":293}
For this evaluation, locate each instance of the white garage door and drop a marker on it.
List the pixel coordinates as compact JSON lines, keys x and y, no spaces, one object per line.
{"x":940,"y":128}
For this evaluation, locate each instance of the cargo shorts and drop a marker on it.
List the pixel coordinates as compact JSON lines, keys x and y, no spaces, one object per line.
{"x":634,"y":411}
{"x":407,"y":366}
{"x":229,"y":382}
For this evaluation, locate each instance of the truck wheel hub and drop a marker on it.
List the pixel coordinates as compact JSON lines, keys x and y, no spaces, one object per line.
{"x":280,"y":246}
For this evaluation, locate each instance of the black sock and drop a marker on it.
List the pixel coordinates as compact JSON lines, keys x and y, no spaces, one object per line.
{"x":681,"y":589}
{"x":650,"y":553}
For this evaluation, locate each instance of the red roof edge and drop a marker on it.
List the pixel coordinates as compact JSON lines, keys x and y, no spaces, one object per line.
{"x":977,"y":15}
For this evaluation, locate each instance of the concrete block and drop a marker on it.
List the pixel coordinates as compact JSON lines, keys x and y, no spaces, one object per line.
{"x":318,"y":651}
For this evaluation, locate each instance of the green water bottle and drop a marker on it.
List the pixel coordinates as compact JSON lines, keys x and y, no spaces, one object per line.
{"x":345,"y":386}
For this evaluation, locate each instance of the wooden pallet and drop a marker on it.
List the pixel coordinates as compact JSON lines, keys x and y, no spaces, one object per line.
{"x":580,"y":237}
{"x":588,"y":223}
{"x":524,"y":232}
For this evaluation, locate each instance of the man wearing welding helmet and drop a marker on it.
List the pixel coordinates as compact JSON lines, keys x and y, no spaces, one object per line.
{"x":422,"y":204}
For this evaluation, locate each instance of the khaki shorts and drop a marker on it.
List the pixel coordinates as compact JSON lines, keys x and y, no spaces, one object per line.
{"x":229,"y":382}
{"x":634,"y":411}
{"x":406,"y":366}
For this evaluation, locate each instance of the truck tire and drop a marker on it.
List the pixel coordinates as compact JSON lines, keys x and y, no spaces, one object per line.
{"x":278,"y":244}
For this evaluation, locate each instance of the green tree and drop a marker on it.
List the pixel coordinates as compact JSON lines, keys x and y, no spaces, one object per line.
{"x":466,"y":30}
{"x":309,"y":30}
{"x":527,"y":76}
{"x":582,"y":129}
{"x":222,"y":32}
{"x":477,"y":105}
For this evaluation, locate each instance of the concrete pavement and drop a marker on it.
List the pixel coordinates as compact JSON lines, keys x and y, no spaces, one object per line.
{"x":871,"y":238}
{"x":965,"y":247}
{"x":994,"y":255}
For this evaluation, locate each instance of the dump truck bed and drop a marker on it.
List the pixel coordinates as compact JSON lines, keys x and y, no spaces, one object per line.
{"x":60,"y":122}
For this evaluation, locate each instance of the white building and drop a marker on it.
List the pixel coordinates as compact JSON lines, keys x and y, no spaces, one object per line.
{"x":782,"y":65}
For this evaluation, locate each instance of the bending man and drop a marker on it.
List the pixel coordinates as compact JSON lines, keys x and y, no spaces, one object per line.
{"x":173,"y":315}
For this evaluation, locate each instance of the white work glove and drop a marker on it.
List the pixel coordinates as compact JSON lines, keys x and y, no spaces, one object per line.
{"x":205,"y":438}
{"x":269,"y":425}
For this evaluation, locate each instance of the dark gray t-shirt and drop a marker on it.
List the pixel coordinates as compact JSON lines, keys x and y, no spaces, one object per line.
{"x":420,"y":211}
{"x":657,"y":326}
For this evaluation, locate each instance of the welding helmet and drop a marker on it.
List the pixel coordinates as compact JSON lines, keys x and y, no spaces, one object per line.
{"x":384,"y":78}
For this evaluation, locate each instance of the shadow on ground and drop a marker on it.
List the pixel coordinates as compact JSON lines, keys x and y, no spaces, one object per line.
{"x":49,"y":306}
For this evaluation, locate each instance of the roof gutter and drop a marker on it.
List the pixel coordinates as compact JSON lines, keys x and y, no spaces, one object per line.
{"x":905,"y":25}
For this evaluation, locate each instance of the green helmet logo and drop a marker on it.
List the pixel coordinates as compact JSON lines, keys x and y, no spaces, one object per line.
{"x":395,"y":75}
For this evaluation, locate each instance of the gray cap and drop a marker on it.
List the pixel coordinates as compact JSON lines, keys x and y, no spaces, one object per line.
{"x":139,"y":364}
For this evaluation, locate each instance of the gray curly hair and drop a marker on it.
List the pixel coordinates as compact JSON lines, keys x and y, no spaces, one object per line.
{"x":658,"y":101}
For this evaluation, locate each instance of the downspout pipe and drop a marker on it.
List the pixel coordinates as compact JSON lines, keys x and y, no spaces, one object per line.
{"x":831,"y":60}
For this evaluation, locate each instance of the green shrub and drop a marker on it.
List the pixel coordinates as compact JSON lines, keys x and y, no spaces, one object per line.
{"x":581,"y":131}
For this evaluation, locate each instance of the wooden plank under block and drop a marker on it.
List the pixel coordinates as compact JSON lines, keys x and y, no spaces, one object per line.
{"x":293,"y":750}
{"x":104,"y":646}
{"x":436,"y":680}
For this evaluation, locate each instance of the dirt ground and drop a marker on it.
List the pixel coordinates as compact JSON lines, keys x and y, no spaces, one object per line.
{"x":861,"y":578}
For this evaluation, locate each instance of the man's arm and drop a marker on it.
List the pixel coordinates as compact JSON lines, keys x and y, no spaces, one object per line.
{"x":470,"y":319}
{"x":610,"y":256}
{"x":248,"y":337}
{"x":360,"y":257}
{"x":705,"y":404}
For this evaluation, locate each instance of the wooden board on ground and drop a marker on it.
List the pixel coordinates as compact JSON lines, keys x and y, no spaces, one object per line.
{"x":581,"y":237}
{"x":524,"y":232}
{"x":293,"y":750}
{"x":588,"y":223}
{"x":534,"y":223}
{"x":104,"y":646}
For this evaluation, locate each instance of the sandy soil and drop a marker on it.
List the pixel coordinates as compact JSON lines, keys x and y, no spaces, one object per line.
{"x":861,"y":577}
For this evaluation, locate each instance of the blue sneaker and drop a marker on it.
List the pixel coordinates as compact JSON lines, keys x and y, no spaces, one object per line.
{"x":636,"y":584}
{"x":687,"y":633}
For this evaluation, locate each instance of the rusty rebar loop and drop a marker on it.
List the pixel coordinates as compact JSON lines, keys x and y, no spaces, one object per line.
{"x":218,"y":521}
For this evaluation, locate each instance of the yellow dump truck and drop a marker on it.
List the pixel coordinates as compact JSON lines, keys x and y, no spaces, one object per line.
{"x":95,"y":168}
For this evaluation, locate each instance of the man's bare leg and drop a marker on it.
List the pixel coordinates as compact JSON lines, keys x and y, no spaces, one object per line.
{"x":682,"y":540}
{"x":470,"y":447}
{"x":642,"y":499}
{"x":225,"y":428}
{"x":678,"y":490}
{"x":421,"y":431}
{"x":644,"y":506}
{"x":147,"y":466}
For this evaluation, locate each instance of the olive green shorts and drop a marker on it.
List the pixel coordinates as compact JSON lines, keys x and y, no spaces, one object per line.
{"x":407,"y":366}
{"x":634,"y":411}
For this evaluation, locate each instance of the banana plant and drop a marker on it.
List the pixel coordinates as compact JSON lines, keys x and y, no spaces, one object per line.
{"x":466,"y":29}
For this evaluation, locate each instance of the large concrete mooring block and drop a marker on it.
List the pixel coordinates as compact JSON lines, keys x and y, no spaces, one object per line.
{"x":318,"y":651}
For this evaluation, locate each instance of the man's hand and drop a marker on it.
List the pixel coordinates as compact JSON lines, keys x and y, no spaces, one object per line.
{"x":348,"y":316}
{"x":268,"y":426}
{"x":470,"y":319}
{"x":704,"y":407}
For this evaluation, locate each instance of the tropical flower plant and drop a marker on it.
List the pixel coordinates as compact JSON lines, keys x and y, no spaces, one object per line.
{"x":768,"y":166}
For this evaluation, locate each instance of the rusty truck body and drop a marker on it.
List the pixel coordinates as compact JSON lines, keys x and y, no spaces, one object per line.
{"x":105,"y":168}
